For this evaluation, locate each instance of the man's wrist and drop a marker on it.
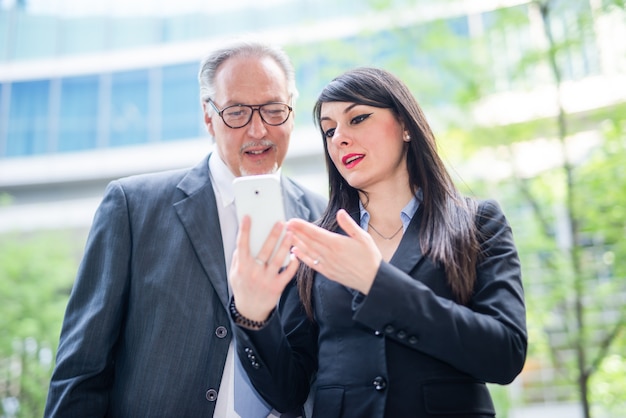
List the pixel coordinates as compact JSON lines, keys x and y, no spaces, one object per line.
{"x":243,"y":321}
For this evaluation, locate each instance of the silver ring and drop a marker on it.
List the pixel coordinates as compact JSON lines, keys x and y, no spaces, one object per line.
{"x":259,"y":262}
{"x":316,"y":262}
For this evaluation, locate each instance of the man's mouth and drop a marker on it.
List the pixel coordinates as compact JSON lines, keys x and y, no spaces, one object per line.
{"x":257,"y":149}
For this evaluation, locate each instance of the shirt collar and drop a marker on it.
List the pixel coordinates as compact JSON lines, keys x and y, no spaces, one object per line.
{"x":406,"y":214}
{"x":222,"y":179}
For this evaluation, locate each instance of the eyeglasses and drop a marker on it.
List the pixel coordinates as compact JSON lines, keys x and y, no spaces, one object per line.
{"x":238,"y":116}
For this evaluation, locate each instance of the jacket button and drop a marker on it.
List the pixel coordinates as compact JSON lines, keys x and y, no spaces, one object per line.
{"x":401,"y":335}
{"x":211,"y":395}
{"x":389,"y":329}
{"x":379,"y":383}
{"x":413,"y":339}
{"x":221,"y":331}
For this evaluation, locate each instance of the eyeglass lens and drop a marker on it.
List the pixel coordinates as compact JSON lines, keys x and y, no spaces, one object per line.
{"x":271,"y":113}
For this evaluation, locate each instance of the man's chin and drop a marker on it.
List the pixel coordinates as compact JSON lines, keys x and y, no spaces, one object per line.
{"x":254,"y":171}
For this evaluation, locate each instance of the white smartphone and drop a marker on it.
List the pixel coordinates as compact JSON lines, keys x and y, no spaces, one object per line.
{"x":260,"y":197}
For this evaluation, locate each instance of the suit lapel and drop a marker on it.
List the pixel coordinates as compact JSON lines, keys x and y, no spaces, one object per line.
{"x":294,"y":208}
{"x":407,"y":256}
{"x":198,"y":214}
{"x":409,"y":252}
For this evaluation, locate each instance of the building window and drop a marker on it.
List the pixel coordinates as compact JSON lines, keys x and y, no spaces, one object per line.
{"x":181,"y":115}
{"x":78,"y":113}
{"x":129,"y":108}
{"x":27,"y":131}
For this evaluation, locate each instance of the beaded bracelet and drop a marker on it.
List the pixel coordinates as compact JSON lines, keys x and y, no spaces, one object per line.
{"x":243,"y":321}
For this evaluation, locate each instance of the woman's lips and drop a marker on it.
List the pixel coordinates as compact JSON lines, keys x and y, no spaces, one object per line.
{"x":351,"y":160}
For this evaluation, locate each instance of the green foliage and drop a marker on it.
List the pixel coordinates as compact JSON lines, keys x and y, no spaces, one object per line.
{"x":609,"y":385}
{"x":610,"y":5}
{"x":5,"y":199}
{"x":501,"y":400}
{"x":36,"y":275}
{"x":603,"y":179}
{"x":553,"y":285}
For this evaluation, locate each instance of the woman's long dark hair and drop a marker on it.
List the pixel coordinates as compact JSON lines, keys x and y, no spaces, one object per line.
{"x":447,"y":233}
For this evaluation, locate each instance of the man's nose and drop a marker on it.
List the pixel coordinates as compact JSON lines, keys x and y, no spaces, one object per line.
{"x":257,"y":127}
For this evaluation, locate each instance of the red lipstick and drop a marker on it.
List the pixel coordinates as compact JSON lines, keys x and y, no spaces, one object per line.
{"x":351,"y":160}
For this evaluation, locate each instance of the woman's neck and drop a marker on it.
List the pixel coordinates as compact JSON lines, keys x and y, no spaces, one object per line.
{"x":385,"y":207}
{"x":385,"y":223}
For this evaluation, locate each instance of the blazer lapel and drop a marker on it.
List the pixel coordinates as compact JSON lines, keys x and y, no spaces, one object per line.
{"x":294,"y":208}
{"x":198,"y":214}
{"x":409,"y":252}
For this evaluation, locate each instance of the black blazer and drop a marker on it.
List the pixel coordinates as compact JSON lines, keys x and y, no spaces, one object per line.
{"x":404,"y":350}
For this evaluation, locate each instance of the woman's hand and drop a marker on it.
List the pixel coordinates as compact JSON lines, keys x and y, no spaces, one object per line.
{"x":351,"y":260}
{"x":257,"y":283}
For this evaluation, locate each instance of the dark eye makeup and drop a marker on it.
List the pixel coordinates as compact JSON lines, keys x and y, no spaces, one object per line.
{"x":354,"y":121}
{"x":360,"y":118}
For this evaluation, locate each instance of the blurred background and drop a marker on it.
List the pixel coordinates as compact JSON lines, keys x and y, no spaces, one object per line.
{"x":527,"y":99}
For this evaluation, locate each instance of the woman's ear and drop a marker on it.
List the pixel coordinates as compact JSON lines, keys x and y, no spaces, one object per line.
{"x":406,"y":136}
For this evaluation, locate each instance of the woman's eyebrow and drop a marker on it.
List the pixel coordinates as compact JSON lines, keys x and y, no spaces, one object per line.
{"x":346,"y":110}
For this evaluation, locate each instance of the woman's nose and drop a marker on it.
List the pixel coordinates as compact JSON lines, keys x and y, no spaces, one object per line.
{"x":340,"y":137}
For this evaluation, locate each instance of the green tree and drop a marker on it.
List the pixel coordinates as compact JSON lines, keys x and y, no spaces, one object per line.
{"x":586,"y":194}
{"x":577,"y":206}
{"x":36,"y":274}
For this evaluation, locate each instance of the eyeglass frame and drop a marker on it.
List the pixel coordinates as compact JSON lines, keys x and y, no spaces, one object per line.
{"x":220,"y":113}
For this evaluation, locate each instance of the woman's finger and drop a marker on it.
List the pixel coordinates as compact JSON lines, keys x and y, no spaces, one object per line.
{"x":350,"y":227}
{"x":306,"y":257}
{"x":281,"y":256}
{"x":309,"y":231}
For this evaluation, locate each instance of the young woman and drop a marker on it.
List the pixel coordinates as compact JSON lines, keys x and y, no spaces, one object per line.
{"x":408,"y":298}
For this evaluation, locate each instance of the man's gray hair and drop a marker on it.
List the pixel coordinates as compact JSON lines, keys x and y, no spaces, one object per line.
{"x":248,"y":48}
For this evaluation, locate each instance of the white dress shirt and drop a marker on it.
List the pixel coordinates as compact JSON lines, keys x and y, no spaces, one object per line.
{"x":222,"y":178}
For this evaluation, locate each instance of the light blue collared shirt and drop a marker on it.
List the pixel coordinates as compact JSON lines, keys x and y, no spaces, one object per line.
{"x":406,"y":214}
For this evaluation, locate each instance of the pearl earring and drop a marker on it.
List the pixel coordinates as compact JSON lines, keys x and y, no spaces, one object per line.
{"x":407,"y":136}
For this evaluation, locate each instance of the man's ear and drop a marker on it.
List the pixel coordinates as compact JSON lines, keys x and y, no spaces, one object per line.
{"x":208,"y":120}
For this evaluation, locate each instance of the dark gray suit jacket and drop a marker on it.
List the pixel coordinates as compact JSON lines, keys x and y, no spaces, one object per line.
{"x":404,"y":350}
{"x":146,"y":331}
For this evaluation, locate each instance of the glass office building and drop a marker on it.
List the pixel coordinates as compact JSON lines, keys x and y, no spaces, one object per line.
{"x":105,"y":77}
